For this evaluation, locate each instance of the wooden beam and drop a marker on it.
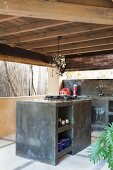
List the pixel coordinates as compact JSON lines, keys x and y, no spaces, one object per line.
{"x":30,"y":27}
{"x":23,"y":54}
{"x":84,"y":44}
{"x":90,"y":62}
{"x":57,"y":11}
{"x":69,"y":39}
{"x":98,"y":3}
{"x":60,"y":32}
{"x":92,"y":53}
{"x":23,"y":60}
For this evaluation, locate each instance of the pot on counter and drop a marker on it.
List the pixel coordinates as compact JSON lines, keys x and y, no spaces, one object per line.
{"x":65,"y":91}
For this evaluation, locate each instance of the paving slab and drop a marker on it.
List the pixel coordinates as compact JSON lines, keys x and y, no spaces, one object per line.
{"x":4,"y":143}
{"x":8,"y":159}
{"x":68,"y":163}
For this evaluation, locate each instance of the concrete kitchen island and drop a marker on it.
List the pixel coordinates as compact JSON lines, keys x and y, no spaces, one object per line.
{"x":38,"y":133}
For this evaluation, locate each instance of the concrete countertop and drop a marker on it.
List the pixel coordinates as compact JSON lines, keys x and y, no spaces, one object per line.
{"x":104,"y":97}
{"x":55,"y":102}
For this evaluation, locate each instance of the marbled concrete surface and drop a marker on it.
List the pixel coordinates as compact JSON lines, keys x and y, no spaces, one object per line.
{"x":91,"y":86}
{"x":80,"y":161}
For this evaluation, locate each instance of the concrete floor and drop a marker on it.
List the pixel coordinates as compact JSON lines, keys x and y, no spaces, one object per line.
{"x":9,"y":161}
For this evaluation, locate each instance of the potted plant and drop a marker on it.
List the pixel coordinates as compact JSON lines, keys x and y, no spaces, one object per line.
{"x":103,"y":148}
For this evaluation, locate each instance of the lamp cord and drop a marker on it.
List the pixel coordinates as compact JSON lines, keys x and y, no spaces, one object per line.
{"x":59,"y":38}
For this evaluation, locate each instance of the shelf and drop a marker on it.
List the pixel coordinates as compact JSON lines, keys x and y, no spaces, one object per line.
{"x":64,"y":128}
{"x":64,"y":151}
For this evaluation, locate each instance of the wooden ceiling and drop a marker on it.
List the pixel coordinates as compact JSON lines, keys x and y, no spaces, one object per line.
{"x":86,"y":27}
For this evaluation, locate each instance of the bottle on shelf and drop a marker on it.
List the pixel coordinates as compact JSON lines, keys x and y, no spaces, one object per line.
{"x":67,"y":121}
{"x":63,"y":122}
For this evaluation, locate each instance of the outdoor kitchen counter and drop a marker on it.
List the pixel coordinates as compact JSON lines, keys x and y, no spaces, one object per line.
{"x":37,"y":131}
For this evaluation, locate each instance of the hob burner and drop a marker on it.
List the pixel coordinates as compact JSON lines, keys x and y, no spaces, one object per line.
{"x":63,"y":97}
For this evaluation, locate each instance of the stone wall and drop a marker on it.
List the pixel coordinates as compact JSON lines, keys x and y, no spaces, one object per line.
{"x":91,"y":86}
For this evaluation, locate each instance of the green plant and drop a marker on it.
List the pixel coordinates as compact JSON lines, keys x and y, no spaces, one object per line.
{"x":103,"y":148}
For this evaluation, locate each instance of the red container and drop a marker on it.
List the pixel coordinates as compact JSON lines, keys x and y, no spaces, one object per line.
{"x":75,"y":89}
{"x":65,"y":91}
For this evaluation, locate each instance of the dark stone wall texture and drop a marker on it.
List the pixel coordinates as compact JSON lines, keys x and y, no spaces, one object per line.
{"x":91,"y":87}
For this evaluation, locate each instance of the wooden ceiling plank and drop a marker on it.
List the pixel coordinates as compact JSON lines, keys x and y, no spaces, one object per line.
{"x":66,"y":31}
{"x":87,"y":50}
{"x":84,"y":44}
{"x":57,"y":11}
{"x":69,"y":39}
{"x":30,"y":27}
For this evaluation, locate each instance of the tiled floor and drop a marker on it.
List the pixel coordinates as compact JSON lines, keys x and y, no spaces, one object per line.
{"x":94,"y":136}
{"x":9,"y":161}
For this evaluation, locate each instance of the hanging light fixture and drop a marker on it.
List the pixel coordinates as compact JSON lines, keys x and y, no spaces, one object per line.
{"x":59,"y":59}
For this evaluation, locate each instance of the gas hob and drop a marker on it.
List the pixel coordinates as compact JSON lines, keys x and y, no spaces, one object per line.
{"x":63,"y":97}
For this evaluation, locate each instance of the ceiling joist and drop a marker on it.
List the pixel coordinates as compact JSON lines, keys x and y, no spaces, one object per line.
{"x":30,"y":27}
{"x":59,"y":32}
{"x":8,"y":19}
{"x":58,"y":11}
{"x":70,"y":39}
{"x":85,"y":50}
{"x":84,"y":44}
